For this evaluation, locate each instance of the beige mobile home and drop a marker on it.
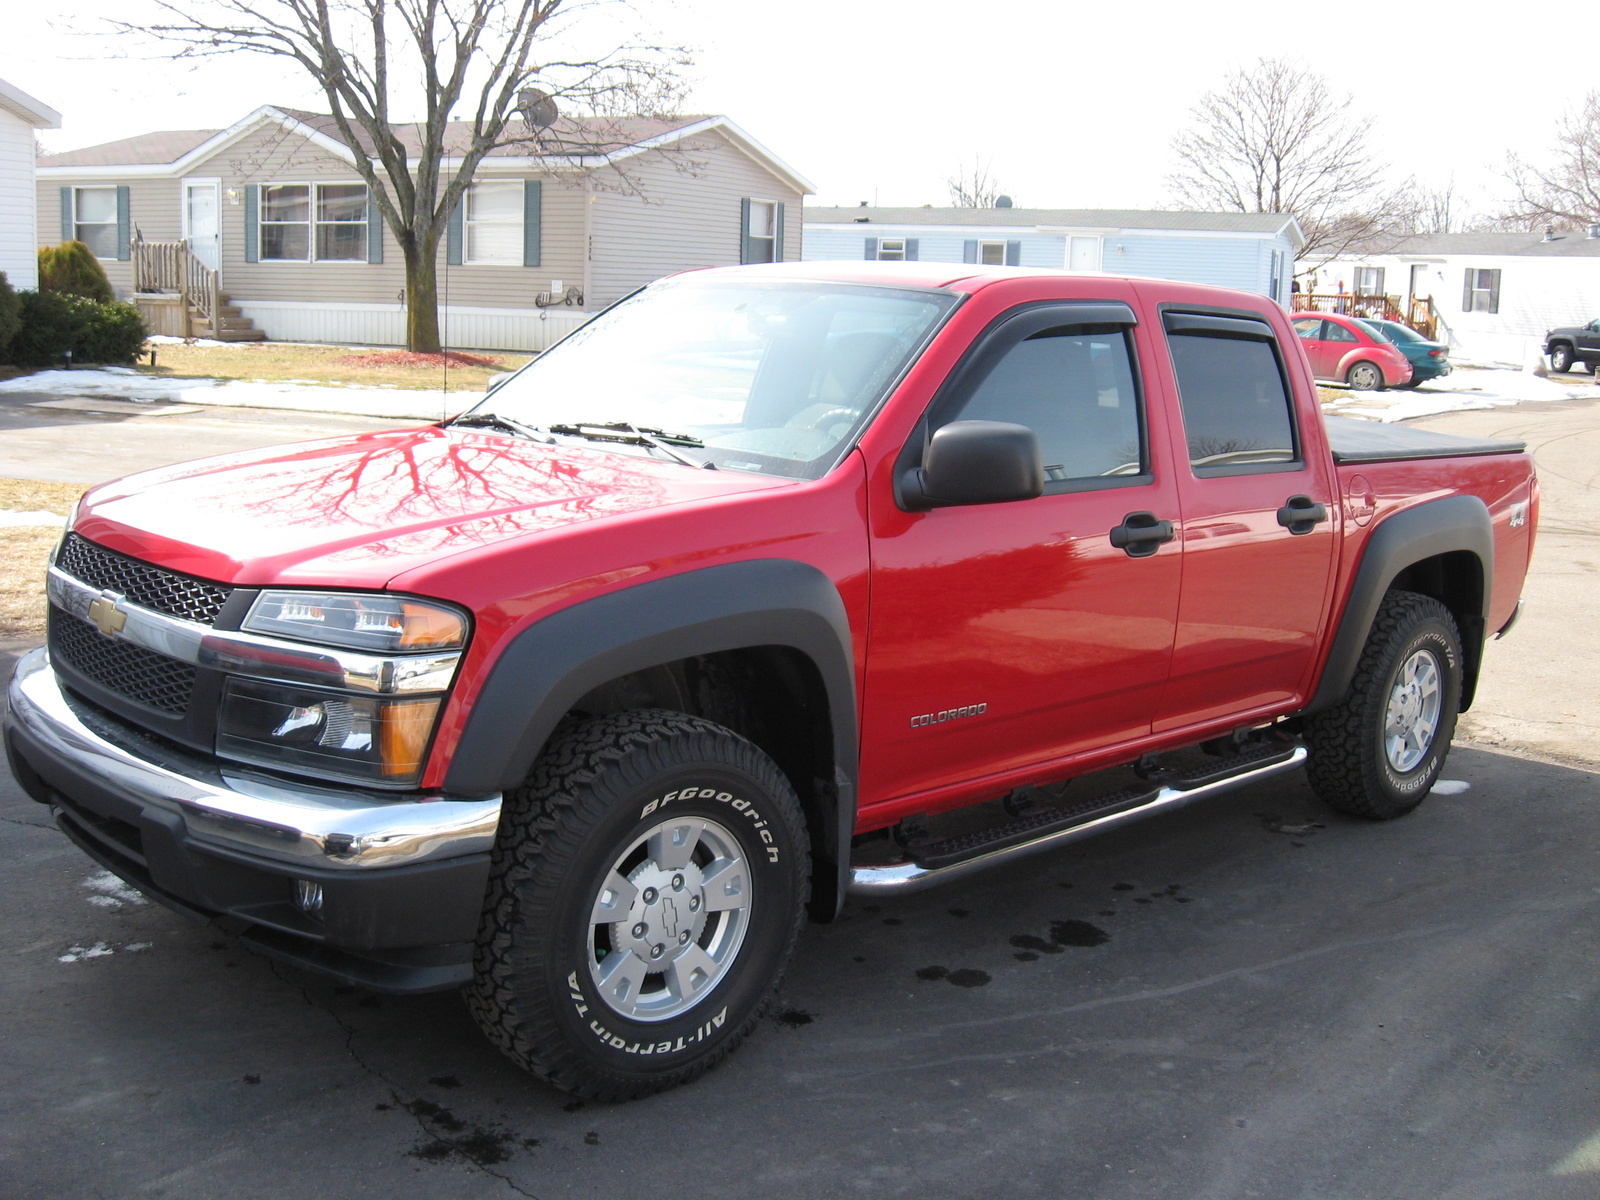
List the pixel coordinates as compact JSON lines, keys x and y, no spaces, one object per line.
{"x":271,"y":216}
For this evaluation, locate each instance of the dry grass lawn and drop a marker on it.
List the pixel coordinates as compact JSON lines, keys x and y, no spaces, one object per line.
{"x":25,"y":550}
{"x":280,"y":363}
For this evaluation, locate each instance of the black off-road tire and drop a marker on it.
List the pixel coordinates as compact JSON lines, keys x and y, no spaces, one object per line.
{"x":596,"y":789}
{"x":1348,"y":766}
{"x":1561,"y":358}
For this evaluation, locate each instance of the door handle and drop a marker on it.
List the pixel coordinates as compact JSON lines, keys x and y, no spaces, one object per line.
{"x":1301,"y":514}
{"x":1141,"y":534}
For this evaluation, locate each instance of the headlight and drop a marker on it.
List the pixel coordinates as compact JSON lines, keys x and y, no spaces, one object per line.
{"x":330,"y":734}
{"x":360,"y":620}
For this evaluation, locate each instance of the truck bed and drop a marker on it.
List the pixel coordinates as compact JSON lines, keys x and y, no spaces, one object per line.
{"x":1357,"y":441}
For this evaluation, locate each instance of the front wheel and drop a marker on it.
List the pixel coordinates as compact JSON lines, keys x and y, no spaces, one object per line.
{"x":1365,"y":377}
{"x":1561,"y":357}
{"x":647,"y":890}
{"x":1379,"y":751}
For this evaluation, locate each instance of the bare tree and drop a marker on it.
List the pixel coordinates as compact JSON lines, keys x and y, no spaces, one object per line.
{"x":1274,"y":138}
{"x":1437,"y":209}
{"x":972,"y":186}
{"x":508,"y":67}
{"x":1564,"y":192}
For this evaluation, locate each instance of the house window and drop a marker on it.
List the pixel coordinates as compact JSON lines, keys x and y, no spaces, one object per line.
{"x":1369,"y":281}
{"x":1482,"y":293}
{"x":332,"y":217}
{"x":493,"y":223}
{"x":285,"y":221}
{"x":762,"y":235}
{"x":992,"y":254}
{"x":891,"y":249}
{"x":94,"y":219}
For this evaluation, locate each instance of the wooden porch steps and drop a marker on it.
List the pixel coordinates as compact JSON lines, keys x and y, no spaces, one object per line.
{"x":230,"y":324}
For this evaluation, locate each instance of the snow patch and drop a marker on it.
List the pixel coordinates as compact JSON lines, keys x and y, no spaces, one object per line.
{"x":1466,"y":388}
{"x":162,"y":339}
{"x":124,"y":383}
{"x":29,"y":519}
{"x":1450,"y":787}
{"x":79,"y":953}
{"x":113,"y":889}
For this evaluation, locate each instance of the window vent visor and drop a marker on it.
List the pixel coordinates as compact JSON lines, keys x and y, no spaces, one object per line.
{"x":1213,"y":325}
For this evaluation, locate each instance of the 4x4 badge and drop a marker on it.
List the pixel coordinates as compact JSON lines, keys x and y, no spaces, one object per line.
{"x":108,"y":618}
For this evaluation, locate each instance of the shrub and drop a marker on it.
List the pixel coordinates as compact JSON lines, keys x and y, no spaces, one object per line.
{"x":10,"y":314}
{"x":53,"y":324}
{"x":71,"y":269}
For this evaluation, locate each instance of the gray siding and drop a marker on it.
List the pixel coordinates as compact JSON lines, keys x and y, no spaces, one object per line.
{"x":686,"y":216}
{"x":152,"y":210}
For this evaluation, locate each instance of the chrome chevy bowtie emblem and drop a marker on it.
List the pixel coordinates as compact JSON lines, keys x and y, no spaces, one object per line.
{"x":108,"y":618}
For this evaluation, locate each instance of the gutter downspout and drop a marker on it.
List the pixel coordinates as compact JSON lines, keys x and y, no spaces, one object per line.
{"x":588,"y":236}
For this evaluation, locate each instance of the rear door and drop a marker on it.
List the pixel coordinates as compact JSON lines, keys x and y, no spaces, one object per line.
{"x":1004,"y":635}
{"x":1257,"y":500}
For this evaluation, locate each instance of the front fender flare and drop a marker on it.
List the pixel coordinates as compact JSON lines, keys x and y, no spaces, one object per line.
{"x":555,"y":661}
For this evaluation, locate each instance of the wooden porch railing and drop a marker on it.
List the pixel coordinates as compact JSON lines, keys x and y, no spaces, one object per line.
{"x":1419,"y":314}
{"x":168,"y":268}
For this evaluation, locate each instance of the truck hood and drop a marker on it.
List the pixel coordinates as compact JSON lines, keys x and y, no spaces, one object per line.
{"x":356,"y":511}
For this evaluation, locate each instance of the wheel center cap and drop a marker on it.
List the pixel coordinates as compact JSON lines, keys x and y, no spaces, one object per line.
{"x":667,"y":915}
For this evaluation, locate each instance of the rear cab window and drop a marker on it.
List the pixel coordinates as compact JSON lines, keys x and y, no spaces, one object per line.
{"x":1233,"y":391}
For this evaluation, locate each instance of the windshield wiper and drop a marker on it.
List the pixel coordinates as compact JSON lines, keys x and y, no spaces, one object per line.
{"x":625,"y":434}
{"x":489,"y":420}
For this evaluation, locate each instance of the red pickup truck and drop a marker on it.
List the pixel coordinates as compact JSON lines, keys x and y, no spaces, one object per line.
{"x":717,"y":613}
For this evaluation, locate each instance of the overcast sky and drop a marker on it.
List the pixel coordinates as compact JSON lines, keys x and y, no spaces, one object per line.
{"x":1071,"y":105}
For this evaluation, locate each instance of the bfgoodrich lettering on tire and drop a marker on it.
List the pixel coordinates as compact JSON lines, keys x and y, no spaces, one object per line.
{"x":1378,"y":752}
{"x":648,"y":888}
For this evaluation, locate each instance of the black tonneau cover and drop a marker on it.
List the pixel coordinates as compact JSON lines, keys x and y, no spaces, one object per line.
{"x":1356,"y":441}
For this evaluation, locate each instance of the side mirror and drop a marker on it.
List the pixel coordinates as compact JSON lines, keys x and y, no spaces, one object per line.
{"x":975,"y":462}
{"x":496,"y":380}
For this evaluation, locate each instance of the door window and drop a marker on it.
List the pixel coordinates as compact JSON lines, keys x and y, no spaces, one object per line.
{"x":1309,"y":329}
{"x":1232,"y":392}
{"x":1075,"y":389}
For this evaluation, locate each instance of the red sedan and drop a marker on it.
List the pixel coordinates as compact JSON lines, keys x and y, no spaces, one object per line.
{"x":1348,"y":350}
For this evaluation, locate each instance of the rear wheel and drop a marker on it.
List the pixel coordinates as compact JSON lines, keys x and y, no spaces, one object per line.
{"x":1378,"y":752}
{"x":647,"y":890}
{"x":1412,"y":383}
{"x":1365,"y":377}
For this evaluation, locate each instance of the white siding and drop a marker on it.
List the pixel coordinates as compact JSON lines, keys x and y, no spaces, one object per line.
{"x":463,"y":328}
{"x":1537,"y":293}
{"x":18,"y":244}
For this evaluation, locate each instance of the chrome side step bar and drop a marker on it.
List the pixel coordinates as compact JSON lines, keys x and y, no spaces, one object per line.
{"x":899,"y":879}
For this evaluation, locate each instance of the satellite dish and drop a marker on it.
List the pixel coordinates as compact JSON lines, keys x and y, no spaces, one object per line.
{"x":537,"y":108}
{"x":1003,"y":202}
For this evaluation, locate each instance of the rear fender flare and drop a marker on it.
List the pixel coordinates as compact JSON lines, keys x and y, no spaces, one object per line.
{"x":1424,"y":531}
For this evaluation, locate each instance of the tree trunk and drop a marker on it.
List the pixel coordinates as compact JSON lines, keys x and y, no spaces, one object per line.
{"x":422,"y":301}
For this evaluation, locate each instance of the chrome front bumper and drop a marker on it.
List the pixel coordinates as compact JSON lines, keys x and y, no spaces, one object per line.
{"x":231,"y":809}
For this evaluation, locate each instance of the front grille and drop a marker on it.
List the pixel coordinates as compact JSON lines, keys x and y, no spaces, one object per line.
{"x":140,"y":675}
{"x":143,"y":584}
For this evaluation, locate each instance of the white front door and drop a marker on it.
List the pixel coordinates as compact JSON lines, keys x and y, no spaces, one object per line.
{"x":202,"y":225}
{"x":1083,"y":254}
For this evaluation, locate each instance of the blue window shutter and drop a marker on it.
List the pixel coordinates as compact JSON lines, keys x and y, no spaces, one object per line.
{"x":124,"y":226}
{"x":455,"y":233}
{"x":532,"y":222}
{"x":969,"y":252}
{"x":1013,"y":254}
{"x":911,"y":249}
{"x":252,"y":225}
{"x":777,"y":234}
{"x":744,"y":230}
{"x":374,"y":230}
{"x":66,"y":215}
{"x":871,"y":249}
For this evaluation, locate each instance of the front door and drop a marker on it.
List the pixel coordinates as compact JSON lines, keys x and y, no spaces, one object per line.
{"x":1255,"y":578}
{"x":202,"y":224}
{"x":1309,"y":330}
{"x":1005,"y":635}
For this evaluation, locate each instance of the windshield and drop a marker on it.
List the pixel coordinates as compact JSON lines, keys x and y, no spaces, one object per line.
{"x":767,"y":377}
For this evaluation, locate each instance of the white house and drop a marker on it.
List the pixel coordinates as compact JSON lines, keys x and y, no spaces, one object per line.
{"x":1495,"y":294}
{"x":20,"y":115}
{"x":1251,"y":251}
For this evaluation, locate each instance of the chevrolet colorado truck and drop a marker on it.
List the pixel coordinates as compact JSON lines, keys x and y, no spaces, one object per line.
{"x":769,"y":586}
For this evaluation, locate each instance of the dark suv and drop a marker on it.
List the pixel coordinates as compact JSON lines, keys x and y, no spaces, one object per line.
{"x":1573,"y":345}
